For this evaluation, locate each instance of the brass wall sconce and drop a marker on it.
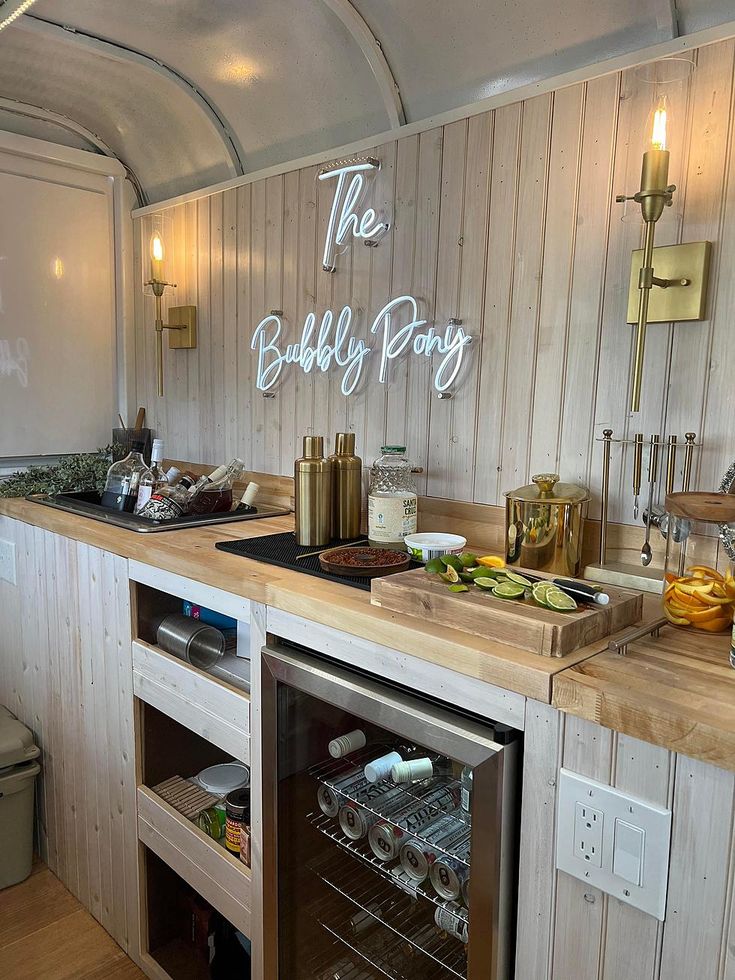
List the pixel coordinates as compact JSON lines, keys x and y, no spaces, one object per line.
{"x":667,"y":284}
{"x":182,"y":319}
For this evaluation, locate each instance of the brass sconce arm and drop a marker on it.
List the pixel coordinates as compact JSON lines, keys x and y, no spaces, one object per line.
{"x":183,"y":321}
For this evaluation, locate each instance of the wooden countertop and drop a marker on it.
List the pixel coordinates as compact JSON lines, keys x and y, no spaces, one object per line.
{"x":193,"y":555}
{"x":676,"y":690}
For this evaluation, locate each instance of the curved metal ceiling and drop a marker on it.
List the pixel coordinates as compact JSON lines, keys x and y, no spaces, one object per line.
{"x":189,"y":93}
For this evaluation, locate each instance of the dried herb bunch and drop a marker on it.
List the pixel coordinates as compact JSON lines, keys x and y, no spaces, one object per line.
{"x":85,"y":471}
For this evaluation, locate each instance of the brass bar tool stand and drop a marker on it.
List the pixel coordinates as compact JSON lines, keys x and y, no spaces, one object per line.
{"x":627,"y":574}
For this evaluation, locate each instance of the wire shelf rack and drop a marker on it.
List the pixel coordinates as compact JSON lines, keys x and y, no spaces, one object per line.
{"x":407,"y":807}
{"x":386,"y":952}
{"x":337,"y":963}
{"x":391,"y":872}
{"x":408,"y":918}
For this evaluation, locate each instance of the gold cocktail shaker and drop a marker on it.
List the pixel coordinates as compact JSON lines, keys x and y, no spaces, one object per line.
{"x":346,"y":487}
{"x":313,"y":493}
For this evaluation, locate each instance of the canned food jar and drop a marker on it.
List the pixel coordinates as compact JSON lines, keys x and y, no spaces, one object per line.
{"x":237,"y":810}
{"x":699,"y":577}
{"x":544,"y":525}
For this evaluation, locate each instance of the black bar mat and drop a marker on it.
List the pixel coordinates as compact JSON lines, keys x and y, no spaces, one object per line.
{"x":281,"y":550}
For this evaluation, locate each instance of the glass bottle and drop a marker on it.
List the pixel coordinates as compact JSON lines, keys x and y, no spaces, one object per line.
{"x":169,"y":503}
{"x":392,"y":500}
{"x":124,"y":479}
{"x":217,"y":494}
{"x":157,"y":478}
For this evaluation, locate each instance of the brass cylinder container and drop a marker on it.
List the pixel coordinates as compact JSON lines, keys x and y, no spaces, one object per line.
{"x":313,"y":494}
{"x":544,"y":525}
{"x":346,"y":487}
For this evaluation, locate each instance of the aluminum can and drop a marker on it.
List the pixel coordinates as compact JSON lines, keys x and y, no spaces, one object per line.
{"x":466,"y":892}
{"x":450,"y":919}
{"x":328,"y":801}
{"x":385,"y":840}
{"x":418,"y":855}
{"x":355,"y":821}
{"x":446,"y":875}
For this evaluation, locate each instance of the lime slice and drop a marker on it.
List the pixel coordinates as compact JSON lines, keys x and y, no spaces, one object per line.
{"x":467,"y":559}
{"x":508,"y":590}
{"x":555,"y":599}
{"x":485,"y":583}
{"x":435,"y":566}
{"x":451,"y":561}
{"x":451,"y":574}
{"x":518,"y":579}
{"x":540,"y":589}
{"x":459,"y":588}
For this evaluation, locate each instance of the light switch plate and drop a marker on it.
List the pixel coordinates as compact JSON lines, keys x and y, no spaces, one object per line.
{"x":633,"y":837}
{"x":7,"y":561}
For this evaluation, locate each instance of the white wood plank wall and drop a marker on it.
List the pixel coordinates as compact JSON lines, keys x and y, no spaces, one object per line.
{"x":508,"y":221}
{"x":571,"y":931}
{"x":66,"y":672}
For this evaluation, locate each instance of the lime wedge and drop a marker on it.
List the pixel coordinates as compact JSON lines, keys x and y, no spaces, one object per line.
{"x":459,"y":588}
{"x":555,"y":599}
{"x":540,"y":589}
{"x":485,"y":583}
{"x":467,"y":559}
{"x":508,"y":590}
{"x":518,"y":579}
{"x":482,"y":572}
{"x":434,"y":565}
{"x":451,"y":574}
{"x":466,"y":576}
{"x":451,"y":561}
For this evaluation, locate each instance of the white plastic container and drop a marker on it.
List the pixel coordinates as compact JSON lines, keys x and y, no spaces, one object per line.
{"x":426,"y":546}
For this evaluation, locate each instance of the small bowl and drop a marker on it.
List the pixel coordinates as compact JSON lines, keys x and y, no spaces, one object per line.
{"x":423,"y":547}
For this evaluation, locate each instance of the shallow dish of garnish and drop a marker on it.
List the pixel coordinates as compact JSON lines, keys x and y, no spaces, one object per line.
{"x":364,"y":562}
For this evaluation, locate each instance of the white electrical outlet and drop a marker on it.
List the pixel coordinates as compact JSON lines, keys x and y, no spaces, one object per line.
{"x":588,"y":824}
{"x":7,"y":561}
{"x":618,"y":843}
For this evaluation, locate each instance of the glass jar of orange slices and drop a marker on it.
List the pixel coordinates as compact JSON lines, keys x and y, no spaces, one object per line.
{"x":699,"y":586}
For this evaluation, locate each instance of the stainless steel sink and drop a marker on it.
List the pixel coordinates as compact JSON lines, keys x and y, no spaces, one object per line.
{"x":87,"y":504}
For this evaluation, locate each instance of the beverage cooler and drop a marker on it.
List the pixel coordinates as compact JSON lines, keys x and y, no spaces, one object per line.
{"x":390,"y":841}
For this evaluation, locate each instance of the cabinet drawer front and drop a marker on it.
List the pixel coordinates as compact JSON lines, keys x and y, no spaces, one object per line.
{"x":219,"y":877}
{"x":211,"y":708}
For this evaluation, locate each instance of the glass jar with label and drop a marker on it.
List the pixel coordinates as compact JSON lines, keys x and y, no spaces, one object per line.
{"x":392,"y":499}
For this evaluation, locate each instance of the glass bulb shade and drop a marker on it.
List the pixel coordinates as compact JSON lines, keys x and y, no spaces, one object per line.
{"x":157,"y":249}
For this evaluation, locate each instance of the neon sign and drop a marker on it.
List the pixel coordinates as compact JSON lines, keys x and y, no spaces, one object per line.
{"x":398,"y":326}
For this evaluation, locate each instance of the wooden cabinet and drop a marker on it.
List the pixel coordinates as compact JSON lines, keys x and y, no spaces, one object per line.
{"x":66,"y":671}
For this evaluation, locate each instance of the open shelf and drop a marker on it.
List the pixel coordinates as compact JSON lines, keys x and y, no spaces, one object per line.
{"x":219,"y":877}
{"x":177,"y":922}
{"x":207,"y":705}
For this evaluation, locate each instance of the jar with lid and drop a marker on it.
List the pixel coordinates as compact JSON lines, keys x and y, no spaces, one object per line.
{"x":237,"y":819}
{"x":392,"y":500}
{"x":544,"y":525}
{"x":699,"y":578}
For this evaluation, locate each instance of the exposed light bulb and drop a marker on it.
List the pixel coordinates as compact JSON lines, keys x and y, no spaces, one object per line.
{"x":15,"y":14}
{"x":658,"y":135}
{"x":157,"y":248}
{"x":157,"y":252}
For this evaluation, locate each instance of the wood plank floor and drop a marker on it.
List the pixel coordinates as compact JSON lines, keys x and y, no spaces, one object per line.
{"x":45,"y":934}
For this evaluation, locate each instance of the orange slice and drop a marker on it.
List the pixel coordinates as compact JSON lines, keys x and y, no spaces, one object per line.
{"x":676,"y":620}
{"x":720,"y":625}
{"x":704,"y":571}
{"x":695,"y":590}
{"x":714,"y":600}
{"x":492,"y":561}
{"x":703,"y":615}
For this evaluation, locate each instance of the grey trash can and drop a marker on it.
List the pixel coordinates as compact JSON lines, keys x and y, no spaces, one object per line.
{"x":18,"y":771}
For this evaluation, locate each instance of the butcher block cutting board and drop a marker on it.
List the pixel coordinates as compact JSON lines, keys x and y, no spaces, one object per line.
{"x":518,"y":623}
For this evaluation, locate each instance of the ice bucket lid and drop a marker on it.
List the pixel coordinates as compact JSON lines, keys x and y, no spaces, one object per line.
{"x":546,"y":489}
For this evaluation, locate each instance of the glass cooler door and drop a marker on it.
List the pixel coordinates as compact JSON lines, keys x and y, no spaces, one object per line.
{"x":390,"y":843}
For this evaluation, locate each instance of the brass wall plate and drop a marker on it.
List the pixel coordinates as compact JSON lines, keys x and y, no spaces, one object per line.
{"x":186,"y":317}
{"x":675,"y":303}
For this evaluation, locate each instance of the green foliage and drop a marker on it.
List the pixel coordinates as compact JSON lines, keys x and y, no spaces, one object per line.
{"x":86,"y":471}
